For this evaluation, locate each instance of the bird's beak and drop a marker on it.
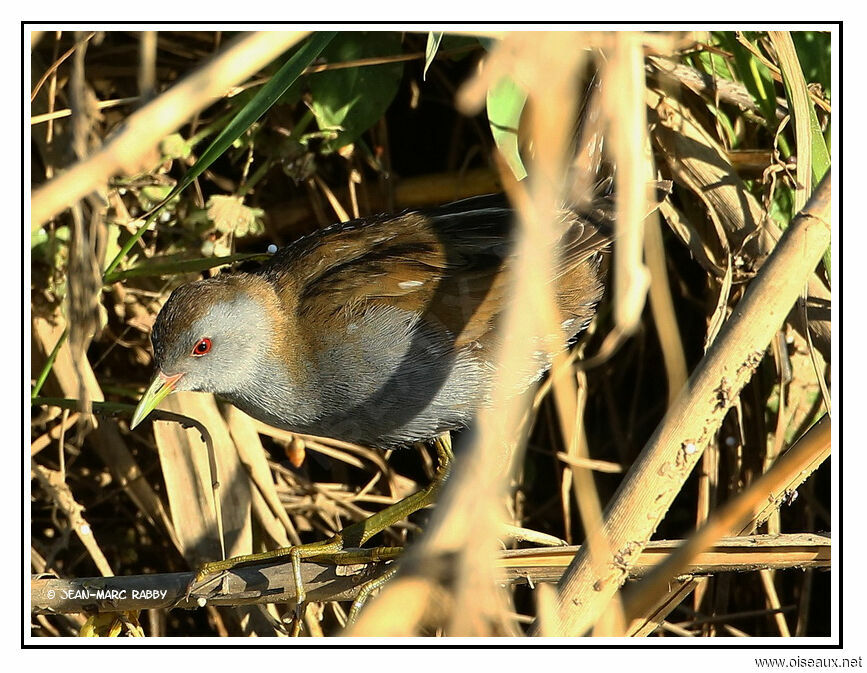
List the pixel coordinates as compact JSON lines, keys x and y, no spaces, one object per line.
{"x":161,"y":387}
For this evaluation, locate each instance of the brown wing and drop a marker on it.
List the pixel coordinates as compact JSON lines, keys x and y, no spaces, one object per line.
{"x":444,"y":265}
{"x":578,"y":281}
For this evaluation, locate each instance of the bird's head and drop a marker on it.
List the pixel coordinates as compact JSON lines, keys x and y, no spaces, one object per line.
{"x":211,"y":335}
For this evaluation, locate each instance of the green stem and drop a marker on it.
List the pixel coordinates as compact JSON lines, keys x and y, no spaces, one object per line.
{"x":210,"y":129}
{"x":180,"y":266}
{"x":132,"y":241}
{"x":111,"y":408}
{"x":49,"y":363}
{"x":258,"y":174}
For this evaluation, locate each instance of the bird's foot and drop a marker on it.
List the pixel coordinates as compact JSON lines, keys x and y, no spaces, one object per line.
{"x":208,"y":572}
{"x":331,"y":551}
{"x":364,"y":593}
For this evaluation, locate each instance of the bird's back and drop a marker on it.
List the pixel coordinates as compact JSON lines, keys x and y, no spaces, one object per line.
{"x":399,"y":313}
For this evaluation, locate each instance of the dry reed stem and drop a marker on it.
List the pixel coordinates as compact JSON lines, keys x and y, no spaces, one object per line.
{"x":570,"y":400}
{"x":106,"y":438}
{"x":728,"y":554}
{"x":740,"y":513}
{"x":66,"y":112}
{"x":707,"y":85}
{"x":520,"y":566}
{"x":687,"y":233}
{"x":267,"y":508}
{"x":590,"y":463}
{"x":653,"y":617}
{"x":622,"y":98}
{"x":54,"y":434}
{"x":52,"y":70}
{"x":699,"y":162}
{"x":146,"y":127}
{"x":662,"y":307}
{"x":187,"y":474}
{"x":463,"y":530}
{"x":147,"y":73}
{"x":333,"y":448}
{"x":54,"y":484}
{"x":664,"y":464}
{"x":773,"y":601}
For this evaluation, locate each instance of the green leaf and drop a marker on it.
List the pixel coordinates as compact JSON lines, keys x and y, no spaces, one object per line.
{"x":814,"y":53}
{"x":261,"y":102}
{"x":151,"y":194}
{"x":821,"y":157}
{"x":813,"y":157}
{"x":112,"y":247}
{"x":726,"y":125}
{"x":348,"y":101}
{"x":157,"y":266}
{"x":175,"y":147}
{"x":505,"y":103}
{"x":430,"y":51}
{"x":801,"y":105}
{"x":38,"y":237}
{"x":755,"y":76}
{"x":712,"y":63}
{"x":782,"y":205}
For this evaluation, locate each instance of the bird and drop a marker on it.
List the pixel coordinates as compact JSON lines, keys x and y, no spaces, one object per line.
{"x":380,"y":331}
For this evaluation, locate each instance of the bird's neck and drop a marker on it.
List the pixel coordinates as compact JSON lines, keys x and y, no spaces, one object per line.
{"x":279,"y":389}
{"x":273,"y":399}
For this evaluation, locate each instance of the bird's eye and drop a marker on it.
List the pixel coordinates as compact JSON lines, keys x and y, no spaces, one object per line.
{"x":202,"y":347}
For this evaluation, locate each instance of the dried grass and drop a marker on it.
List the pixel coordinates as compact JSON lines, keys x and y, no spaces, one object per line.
{"x":527,"y":462}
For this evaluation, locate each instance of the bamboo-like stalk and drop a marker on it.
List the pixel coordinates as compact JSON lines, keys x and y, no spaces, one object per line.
{"x":746,"y":506}
{"x":628,"y":120}
{"x":657,"y":476}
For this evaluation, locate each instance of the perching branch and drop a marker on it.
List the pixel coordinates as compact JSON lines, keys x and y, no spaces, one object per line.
{"x":241,"y":586}
{"x":738,"y":554}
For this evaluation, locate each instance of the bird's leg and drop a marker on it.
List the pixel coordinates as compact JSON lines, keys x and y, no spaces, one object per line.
{"x":444,"y":456}
{"x":342,"y":548}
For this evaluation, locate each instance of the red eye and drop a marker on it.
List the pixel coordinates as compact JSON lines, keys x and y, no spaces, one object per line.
{"x":202,"y":347}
